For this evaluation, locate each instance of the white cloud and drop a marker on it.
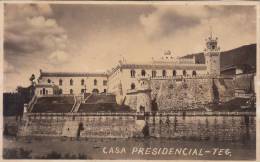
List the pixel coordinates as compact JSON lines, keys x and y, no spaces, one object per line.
{"x":9,"y":68}
{"x":58,"y":57}
{"x":31,"y":31}
{"x":35,"y":35}
{"x":184,"y":28}
{"x":31,"y":36}
{"x":42,"y":22}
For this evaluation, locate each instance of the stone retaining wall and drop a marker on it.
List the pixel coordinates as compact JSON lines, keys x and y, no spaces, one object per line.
{"x":91,"y":126}
{"x":221,"y":128}
{"x":182,"y":94}
{"x":125,"y":125}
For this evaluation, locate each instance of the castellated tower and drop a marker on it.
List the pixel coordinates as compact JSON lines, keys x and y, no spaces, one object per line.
{"x":212,"y":56}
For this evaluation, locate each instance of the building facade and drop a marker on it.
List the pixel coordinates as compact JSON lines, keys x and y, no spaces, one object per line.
{"x":71,"y":83}
{"x":124,"y":77}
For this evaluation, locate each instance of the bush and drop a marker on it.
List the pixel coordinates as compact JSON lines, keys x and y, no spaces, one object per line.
{"x":9,"y":153}
{"x":16,"y":153}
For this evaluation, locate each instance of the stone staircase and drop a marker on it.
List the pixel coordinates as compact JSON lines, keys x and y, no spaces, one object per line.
{"x":86,"y":99}
{"x":76,"y":106}
{"x":23,"y":127}
{"x":32,"y":103}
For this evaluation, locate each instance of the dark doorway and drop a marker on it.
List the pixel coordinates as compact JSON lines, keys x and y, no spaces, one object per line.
{"x":60,"y":91}
{"x":184,"y":72}
{"x":80,"y":128}
{"x":142,"y":109}
{"x":174,"y":73}
{"x":194,"y":73}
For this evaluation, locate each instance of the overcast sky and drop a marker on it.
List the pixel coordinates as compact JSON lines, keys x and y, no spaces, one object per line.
{"x":89,"y":37}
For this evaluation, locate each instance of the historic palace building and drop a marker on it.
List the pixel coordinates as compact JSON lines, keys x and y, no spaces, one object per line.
{"x":125,"y":75}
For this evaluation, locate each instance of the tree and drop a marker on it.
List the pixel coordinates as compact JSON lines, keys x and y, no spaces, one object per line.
{"x":32,"y":78}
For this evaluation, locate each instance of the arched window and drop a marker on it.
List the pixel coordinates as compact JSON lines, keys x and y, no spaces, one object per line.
{"x":95,"y":82}
{"x":142,"y":108}
{"x":153,"y":73}
{"x":143,"y":72}
{"x":49,"y":81}
{"x":174,"y":73}
{"x":82,"y":91}
{"x":164,"y":73}
{"x":71,"y":91}
{"x":132,"y":86}
{"x":184,"y":72}
{"x":71,"y":82}
{"x":194,"y":73}
{"x":95,"y":91}
{"x":132,"y":72}
{"x":60,"y":82}
{"x":82,"y":81}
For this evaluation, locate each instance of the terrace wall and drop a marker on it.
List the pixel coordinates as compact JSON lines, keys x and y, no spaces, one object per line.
{"x":97,"y":126}
{"x":125,"y":125}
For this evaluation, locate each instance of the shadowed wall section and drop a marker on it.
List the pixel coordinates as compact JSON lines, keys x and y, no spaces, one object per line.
{"x":183,"y":94}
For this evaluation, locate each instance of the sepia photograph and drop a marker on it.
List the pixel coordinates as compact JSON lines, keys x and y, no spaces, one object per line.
{"x":129,"y":81}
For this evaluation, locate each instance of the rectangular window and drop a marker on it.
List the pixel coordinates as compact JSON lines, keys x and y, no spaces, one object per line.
{"x":132,"y":72}
{"x":153,"y":74}
{"x":104,"y":82}
{"x":60,"y":82}
{"x":82,"y":82}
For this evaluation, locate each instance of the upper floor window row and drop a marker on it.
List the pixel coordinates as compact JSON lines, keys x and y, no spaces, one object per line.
{"x":164,"y":73}
{"x":82,"y":82}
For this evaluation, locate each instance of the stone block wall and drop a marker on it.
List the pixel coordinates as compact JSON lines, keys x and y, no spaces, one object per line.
{"x":131,"y":100}
{"x":183,"y":94}
{"x":41,"y":127}
{"x":219,"y":128}
{"x":180,"y":94}
{"x":91,"y":126}
{"x":139,"y":99}
{"x":108,"y":127}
